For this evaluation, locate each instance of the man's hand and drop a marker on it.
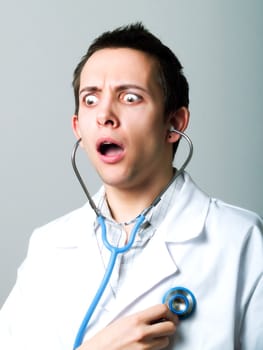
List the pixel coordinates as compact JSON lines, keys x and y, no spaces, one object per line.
{"x":148,"y":329}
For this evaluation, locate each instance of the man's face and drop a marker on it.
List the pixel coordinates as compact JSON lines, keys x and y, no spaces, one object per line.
{"x":121,"y":118}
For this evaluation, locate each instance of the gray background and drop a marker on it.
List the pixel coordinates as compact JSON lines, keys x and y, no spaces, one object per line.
{"x":220,"y":45}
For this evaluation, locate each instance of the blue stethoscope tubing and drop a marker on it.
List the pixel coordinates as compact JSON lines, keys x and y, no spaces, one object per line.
{"x":114,"y":253}
{"x":114,"y":249}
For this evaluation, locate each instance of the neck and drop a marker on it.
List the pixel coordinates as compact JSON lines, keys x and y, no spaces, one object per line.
{"x":127,"y":203}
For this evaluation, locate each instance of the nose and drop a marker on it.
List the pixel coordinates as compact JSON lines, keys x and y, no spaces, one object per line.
{"x":107,"y":120}
{"x":107,"y":116}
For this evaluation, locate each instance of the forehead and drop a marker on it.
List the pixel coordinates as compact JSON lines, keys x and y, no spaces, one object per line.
{"x":121,"y":65}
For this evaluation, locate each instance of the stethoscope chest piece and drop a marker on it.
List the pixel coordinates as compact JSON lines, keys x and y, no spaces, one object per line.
{"x":180,"y":301}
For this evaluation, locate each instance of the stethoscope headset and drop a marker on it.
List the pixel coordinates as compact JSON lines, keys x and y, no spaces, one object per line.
{"x":180,"y":300}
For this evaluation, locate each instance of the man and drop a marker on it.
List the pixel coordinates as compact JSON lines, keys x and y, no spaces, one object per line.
{"x":130,"y":95}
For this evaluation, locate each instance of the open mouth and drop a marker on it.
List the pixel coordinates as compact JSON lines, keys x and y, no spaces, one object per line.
{"x":108,"y":148}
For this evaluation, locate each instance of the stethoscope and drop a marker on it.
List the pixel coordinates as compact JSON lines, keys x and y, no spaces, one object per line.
{"x":180,"y":300}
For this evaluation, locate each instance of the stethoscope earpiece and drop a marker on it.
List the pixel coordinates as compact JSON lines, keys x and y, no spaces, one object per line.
{"x":180,"y":301}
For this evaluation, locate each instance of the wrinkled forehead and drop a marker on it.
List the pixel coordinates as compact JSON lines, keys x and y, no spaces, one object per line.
{"x":121,"y":65}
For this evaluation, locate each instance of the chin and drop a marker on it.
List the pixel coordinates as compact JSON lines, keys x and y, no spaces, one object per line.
{"x":118,"y":181}
{"x":113,"y":182}
{"x":118,"y":177}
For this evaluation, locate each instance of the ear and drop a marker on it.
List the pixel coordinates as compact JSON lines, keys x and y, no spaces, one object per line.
{"x":75,"y":126}
{"x":178,"y":120}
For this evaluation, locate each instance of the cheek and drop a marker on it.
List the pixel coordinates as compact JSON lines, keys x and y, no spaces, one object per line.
{"x":86,"y":125}
{"x":148,"y":141}
{"x":86,"y":133}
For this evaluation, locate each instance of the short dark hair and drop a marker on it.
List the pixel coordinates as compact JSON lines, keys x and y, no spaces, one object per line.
{"x":136,"y":36}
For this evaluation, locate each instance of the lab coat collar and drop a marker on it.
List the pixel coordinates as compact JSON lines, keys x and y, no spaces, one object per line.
{"x":184,"y":220}
{"x":186,"y":217}
{"x":74,"y":229}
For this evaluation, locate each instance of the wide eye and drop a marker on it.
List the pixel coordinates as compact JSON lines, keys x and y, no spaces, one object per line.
{"x":130,"y":97}
{"x":90,"y":100}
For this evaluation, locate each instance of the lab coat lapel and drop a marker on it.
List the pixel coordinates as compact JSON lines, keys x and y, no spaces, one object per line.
{"x":77,"y":240}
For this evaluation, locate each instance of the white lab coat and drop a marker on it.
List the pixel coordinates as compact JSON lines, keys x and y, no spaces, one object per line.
{"x":214,"y":249}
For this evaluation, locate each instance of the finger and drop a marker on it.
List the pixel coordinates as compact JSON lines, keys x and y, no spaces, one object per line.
{"x":160,"y":313}
{"x":160,"y":343}
{"x":171,"y":316}
{"x":153,"y":313}
{"x":164,"y":328}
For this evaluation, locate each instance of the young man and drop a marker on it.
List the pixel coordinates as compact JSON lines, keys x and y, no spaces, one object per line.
{"x":129,"y":92}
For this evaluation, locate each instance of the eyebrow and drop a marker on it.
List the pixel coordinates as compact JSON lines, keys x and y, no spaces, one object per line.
{"x":89,"y":89}
{"x":118,"y":88}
